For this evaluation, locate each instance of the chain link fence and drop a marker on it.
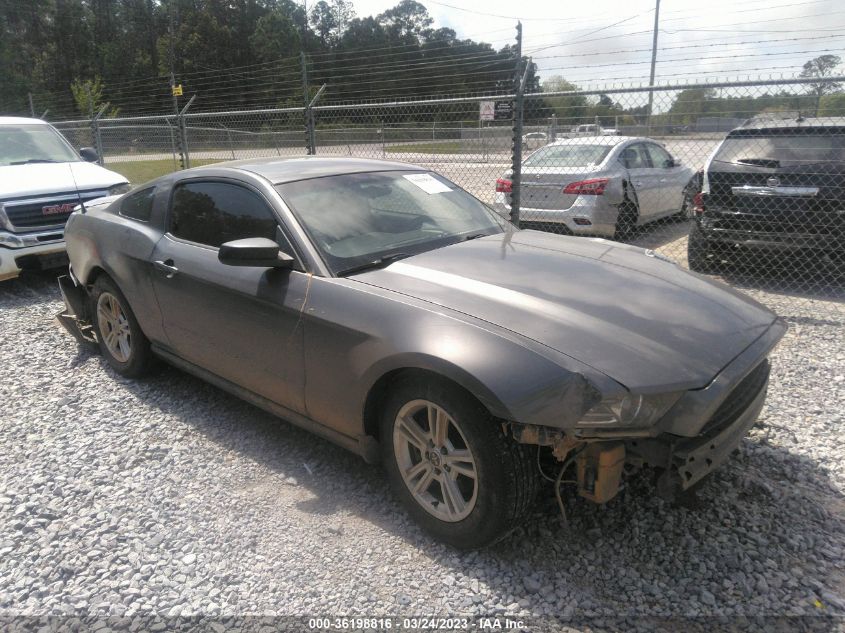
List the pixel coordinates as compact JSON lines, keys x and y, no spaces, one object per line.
{"x":743,"y":181}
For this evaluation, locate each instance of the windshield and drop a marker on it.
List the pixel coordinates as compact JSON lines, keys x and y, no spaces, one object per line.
{"x":360,"y":219}
{"x":33,"y":143}
{"x":568,"y":155}
{"x":782,"y":149}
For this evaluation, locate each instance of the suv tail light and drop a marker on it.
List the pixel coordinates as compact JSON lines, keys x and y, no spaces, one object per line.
{"x":592,"y":187}
{"x":698,"y":203}
{"x":504,"y":186}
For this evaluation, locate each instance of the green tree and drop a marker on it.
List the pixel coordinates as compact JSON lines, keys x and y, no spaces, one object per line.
{"x":330,"y":18}
{"x":407,"y":21}
{"x":276,"y":36}
{"x":832,"y":105}
{"x":821,"y":67}
{"x":569,"y":109}
{"x":88,"y":95}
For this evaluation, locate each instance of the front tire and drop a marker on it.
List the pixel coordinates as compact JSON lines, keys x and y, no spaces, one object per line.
{"x":452,"y":466}
{"x":121,"y":341}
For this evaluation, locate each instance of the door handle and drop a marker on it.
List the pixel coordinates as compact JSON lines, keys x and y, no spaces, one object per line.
{"x":166,"y":267}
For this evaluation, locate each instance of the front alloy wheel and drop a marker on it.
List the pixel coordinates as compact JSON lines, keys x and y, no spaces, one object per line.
{"x":454,"y":467}
{"x":435,"y":460}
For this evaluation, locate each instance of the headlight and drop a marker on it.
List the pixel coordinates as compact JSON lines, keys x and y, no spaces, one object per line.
{"x":116,"y":190}
{"x":630,"y":410}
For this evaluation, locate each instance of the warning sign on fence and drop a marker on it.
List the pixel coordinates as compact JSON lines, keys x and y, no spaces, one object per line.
{"x":486,"y":110}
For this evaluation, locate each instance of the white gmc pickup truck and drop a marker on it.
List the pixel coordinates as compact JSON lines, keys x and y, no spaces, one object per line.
{"x":42,"y":178}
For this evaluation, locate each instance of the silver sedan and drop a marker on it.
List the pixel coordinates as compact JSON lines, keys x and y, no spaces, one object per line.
{"x":598,"y":185}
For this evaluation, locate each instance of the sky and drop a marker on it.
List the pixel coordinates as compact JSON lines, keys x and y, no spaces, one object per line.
{"x":601,"y":43}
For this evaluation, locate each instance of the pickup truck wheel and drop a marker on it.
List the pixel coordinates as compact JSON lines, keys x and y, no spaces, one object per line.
{"x":452,"y":466}
{"x":699,"y":252}
{"x":121,"y":341}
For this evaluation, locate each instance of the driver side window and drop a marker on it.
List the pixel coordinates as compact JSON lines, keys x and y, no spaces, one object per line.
{"x":659,"y":156}
{"x":212,"y":213}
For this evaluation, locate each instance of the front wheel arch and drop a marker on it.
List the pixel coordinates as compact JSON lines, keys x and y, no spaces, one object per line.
{"x":380,"y":391}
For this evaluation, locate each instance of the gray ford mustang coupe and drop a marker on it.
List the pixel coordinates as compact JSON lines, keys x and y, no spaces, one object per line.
{"x":382,"y":307}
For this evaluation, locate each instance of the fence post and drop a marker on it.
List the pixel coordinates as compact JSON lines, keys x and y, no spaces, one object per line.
{"x":310,"y":122}
{"x":185,"y":154}
{"x":516,"y":147}
{"x":95,"y":134}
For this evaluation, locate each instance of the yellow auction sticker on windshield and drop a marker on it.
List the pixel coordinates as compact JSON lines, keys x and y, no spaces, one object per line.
{"x":427,"y":183}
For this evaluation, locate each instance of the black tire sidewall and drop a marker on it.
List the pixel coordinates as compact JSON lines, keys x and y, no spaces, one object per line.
{"x":140,"y":356}
{"x":626,"y":220}
{"x":698,"y":250}
{"x":488,"y":521}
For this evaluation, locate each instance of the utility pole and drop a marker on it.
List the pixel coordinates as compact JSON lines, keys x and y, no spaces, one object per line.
{"x":653,"y":61}
{"x":184,"y":161}
{"x":306,"y":100}
{"x":516,"y":118}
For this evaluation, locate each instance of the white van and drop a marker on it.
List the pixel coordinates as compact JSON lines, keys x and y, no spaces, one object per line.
{"x":42,"y":178}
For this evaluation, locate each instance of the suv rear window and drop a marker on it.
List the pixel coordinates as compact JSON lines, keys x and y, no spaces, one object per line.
{"x":774,"y":149}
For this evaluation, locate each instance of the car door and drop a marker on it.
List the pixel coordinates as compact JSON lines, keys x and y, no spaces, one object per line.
{"x":672,"y":178}
{"x":241,"y":323}
{"x":644,"y":179}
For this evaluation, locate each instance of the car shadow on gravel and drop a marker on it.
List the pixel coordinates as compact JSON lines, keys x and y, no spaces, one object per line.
{"x":765,"y":533}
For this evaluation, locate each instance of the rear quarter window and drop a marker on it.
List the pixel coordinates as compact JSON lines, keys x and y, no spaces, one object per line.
{"x":138,"y":205}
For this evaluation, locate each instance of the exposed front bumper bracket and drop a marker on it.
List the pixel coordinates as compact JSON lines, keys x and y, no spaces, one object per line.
{"x":74,"y":317}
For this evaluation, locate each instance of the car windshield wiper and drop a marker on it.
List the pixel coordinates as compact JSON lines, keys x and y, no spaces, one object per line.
{"x":475,"y":236}
{"x":381,"y":262}
{"x":34,"y":160}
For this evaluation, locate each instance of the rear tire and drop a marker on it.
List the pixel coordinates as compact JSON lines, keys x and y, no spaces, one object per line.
{"x":121,"y":341}
{"x":626,"y":221}
{"x":473,"y":461}
{"x":699,"y":252}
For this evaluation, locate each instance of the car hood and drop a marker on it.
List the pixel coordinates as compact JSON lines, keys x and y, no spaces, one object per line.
{"x":35,"y":179}
{"x":643,"y":321}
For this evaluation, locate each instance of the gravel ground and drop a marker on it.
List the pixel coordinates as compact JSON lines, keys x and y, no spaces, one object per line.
{"x":170,"y":497}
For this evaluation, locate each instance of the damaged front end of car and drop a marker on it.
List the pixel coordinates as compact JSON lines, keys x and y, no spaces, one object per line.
{"x":683,"y":436}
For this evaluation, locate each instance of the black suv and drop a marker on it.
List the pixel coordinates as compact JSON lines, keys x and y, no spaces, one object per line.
{"x":776,"y":187}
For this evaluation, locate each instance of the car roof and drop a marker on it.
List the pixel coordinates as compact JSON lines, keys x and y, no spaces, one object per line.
{"x":19,"y":120}
{"x":763,"y":123}
{"x":282,"y":170}
{"x":599,"y":140}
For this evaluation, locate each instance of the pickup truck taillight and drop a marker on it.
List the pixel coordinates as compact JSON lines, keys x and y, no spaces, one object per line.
{"x":504,"y":185}
{"x":591,"y":187}
{"x":698,"y":203}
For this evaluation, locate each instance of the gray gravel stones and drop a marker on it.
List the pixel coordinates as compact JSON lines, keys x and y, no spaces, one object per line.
{"x":166,"y":496}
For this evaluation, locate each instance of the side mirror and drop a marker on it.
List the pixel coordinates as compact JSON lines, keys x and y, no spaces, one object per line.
{"x":258,"y":252}
{"x":89,"y":154}
{"x":669,"y":163}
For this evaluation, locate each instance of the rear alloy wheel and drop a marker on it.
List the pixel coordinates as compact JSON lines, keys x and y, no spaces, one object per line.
{"x":121,"y":341}
{"x":458,"y":474}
